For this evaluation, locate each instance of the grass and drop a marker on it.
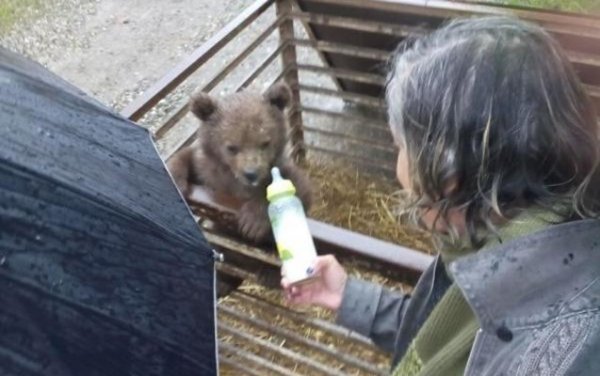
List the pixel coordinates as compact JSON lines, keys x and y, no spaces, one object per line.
{"x":13,"y":11}
{"x":565,"y":5}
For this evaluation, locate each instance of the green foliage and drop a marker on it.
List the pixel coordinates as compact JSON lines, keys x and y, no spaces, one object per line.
{"x":12,"y":11}
{"x":565,"y":5}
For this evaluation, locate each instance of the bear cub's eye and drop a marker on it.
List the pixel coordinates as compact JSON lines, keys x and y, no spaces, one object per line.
{"x":232,"y":149}
{"x":265,"y":144}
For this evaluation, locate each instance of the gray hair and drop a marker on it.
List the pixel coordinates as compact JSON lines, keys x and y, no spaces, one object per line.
{"x":495,"y":121}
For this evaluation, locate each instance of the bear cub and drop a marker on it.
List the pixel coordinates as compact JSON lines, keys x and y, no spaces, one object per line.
{"x":241,"y":137}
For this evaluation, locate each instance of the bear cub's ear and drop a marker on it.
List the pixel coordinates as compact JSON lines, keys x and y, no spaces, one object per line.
{"x":279,"y":95}
{"x":202,"y":105}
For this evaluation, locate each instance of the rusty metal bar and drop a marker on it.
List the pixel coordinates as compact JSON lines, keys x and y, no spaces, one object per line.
{"x":289,"y":59}
{"x":302,"y":341}
{"x":375,"y":54}
{"x":182,"y":110}
{"x":278,"y":77}
{"x":260,"y":68}
{"x":368,"y":78}
{"x":183,"y":142}
{"x":328,"y":238}
{"x":447,"y":9}
{"x":355,"y":159}
{"x":274,"y":369}
{"x":311,"y":36}
{"x":352,"y":97}
{"x":409,"y":6}
{"x":569,"y":30}
{"x":303,"y":319}
{"x":234,"y":271}
{"x":135,"y":110}
{"x":344,"y":49}
{"x":176,"y":116}
{"x":357,"y":24}
{"x":387,"y":147}
{"x":371,"y":124}
{"x":594,"y":93}
{"x":584,"y":58}
{"x":245,"y":53}
{"x":280,"y":351}
{"x":294,"y":150}
{"x":367,"y":122}
{"x":243,"y":249}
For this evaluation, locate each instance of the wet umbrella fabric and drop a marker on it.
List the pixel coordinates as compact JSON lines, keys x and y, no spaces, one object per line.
{"x":103,"y":271}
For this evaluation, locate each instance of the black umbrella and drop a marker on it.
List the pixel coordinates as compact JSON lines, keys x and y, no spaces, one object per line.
{"x":103,"y":270}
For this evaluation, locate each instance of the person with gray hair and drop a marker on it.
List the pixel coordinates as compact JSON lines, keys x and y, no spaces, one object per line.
{"x":498,"y":143}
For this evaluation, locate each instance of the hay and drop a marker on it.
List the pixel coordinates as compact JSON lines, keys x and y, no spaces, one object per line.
{"x":337,"y":343}
{"x":359,"y":202}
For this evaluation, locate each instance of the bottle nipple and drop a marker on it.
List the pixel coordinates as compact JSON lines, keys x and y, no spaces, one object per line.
{"x":276,"y":174}
{"x":279,"y":185}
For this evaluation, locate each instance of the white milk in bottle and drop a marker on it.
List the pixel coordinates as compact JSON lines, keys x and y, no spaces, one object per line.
{"x":288,"y":220}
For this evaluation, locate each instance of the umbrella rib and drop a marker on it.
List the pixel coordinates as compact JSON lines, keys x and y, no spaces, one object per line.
{"x":108,"y":205}
{"x":108,"y":243}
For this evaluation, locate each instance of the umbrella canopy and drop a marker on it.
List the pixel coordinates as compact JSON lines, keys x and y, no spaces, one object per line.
{"x":103,"y":270}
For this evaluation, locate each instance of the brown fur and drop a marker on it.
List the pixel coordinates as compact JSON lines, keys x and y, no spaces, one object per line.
{"x":242,"y":136}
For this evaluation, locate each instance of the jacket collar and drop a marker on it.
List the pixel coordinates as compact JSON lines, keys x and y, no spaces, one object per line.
{"x":532,"y":279}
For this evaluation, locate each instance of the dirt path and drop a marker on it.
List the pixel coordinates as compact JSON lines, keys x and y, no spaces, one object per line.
{"x":115,"y":49}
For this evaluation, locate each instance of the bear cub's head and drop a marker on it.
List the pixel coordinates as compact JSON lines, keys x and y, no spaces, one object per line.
{"x":245,"y":131}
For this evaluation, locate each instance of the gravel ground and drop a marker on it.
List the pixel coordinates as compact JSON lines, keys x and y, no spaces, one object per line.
{"x":115,"y":49}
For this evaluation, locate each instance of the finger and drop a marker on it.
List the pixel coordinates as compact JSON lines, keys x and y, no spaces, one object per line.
{"x":291,"y":290}
{"x":294,"y":299}
{"x":294,"y":294}
{"x":300,"y":297}
{"x":295,"y":291}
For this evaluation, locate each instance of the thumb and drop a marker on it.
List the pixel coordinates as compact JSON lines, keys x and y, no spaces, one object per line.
{"x":322,"y":263}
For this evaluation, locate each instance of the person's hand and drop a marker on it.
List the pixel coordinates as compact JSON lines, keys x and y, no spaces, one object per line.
{"x":327,"y":288}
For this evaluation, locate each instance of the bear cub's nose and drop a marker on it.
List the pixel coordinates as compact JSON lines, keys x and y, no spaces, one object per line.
{"x":251,"y":175}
